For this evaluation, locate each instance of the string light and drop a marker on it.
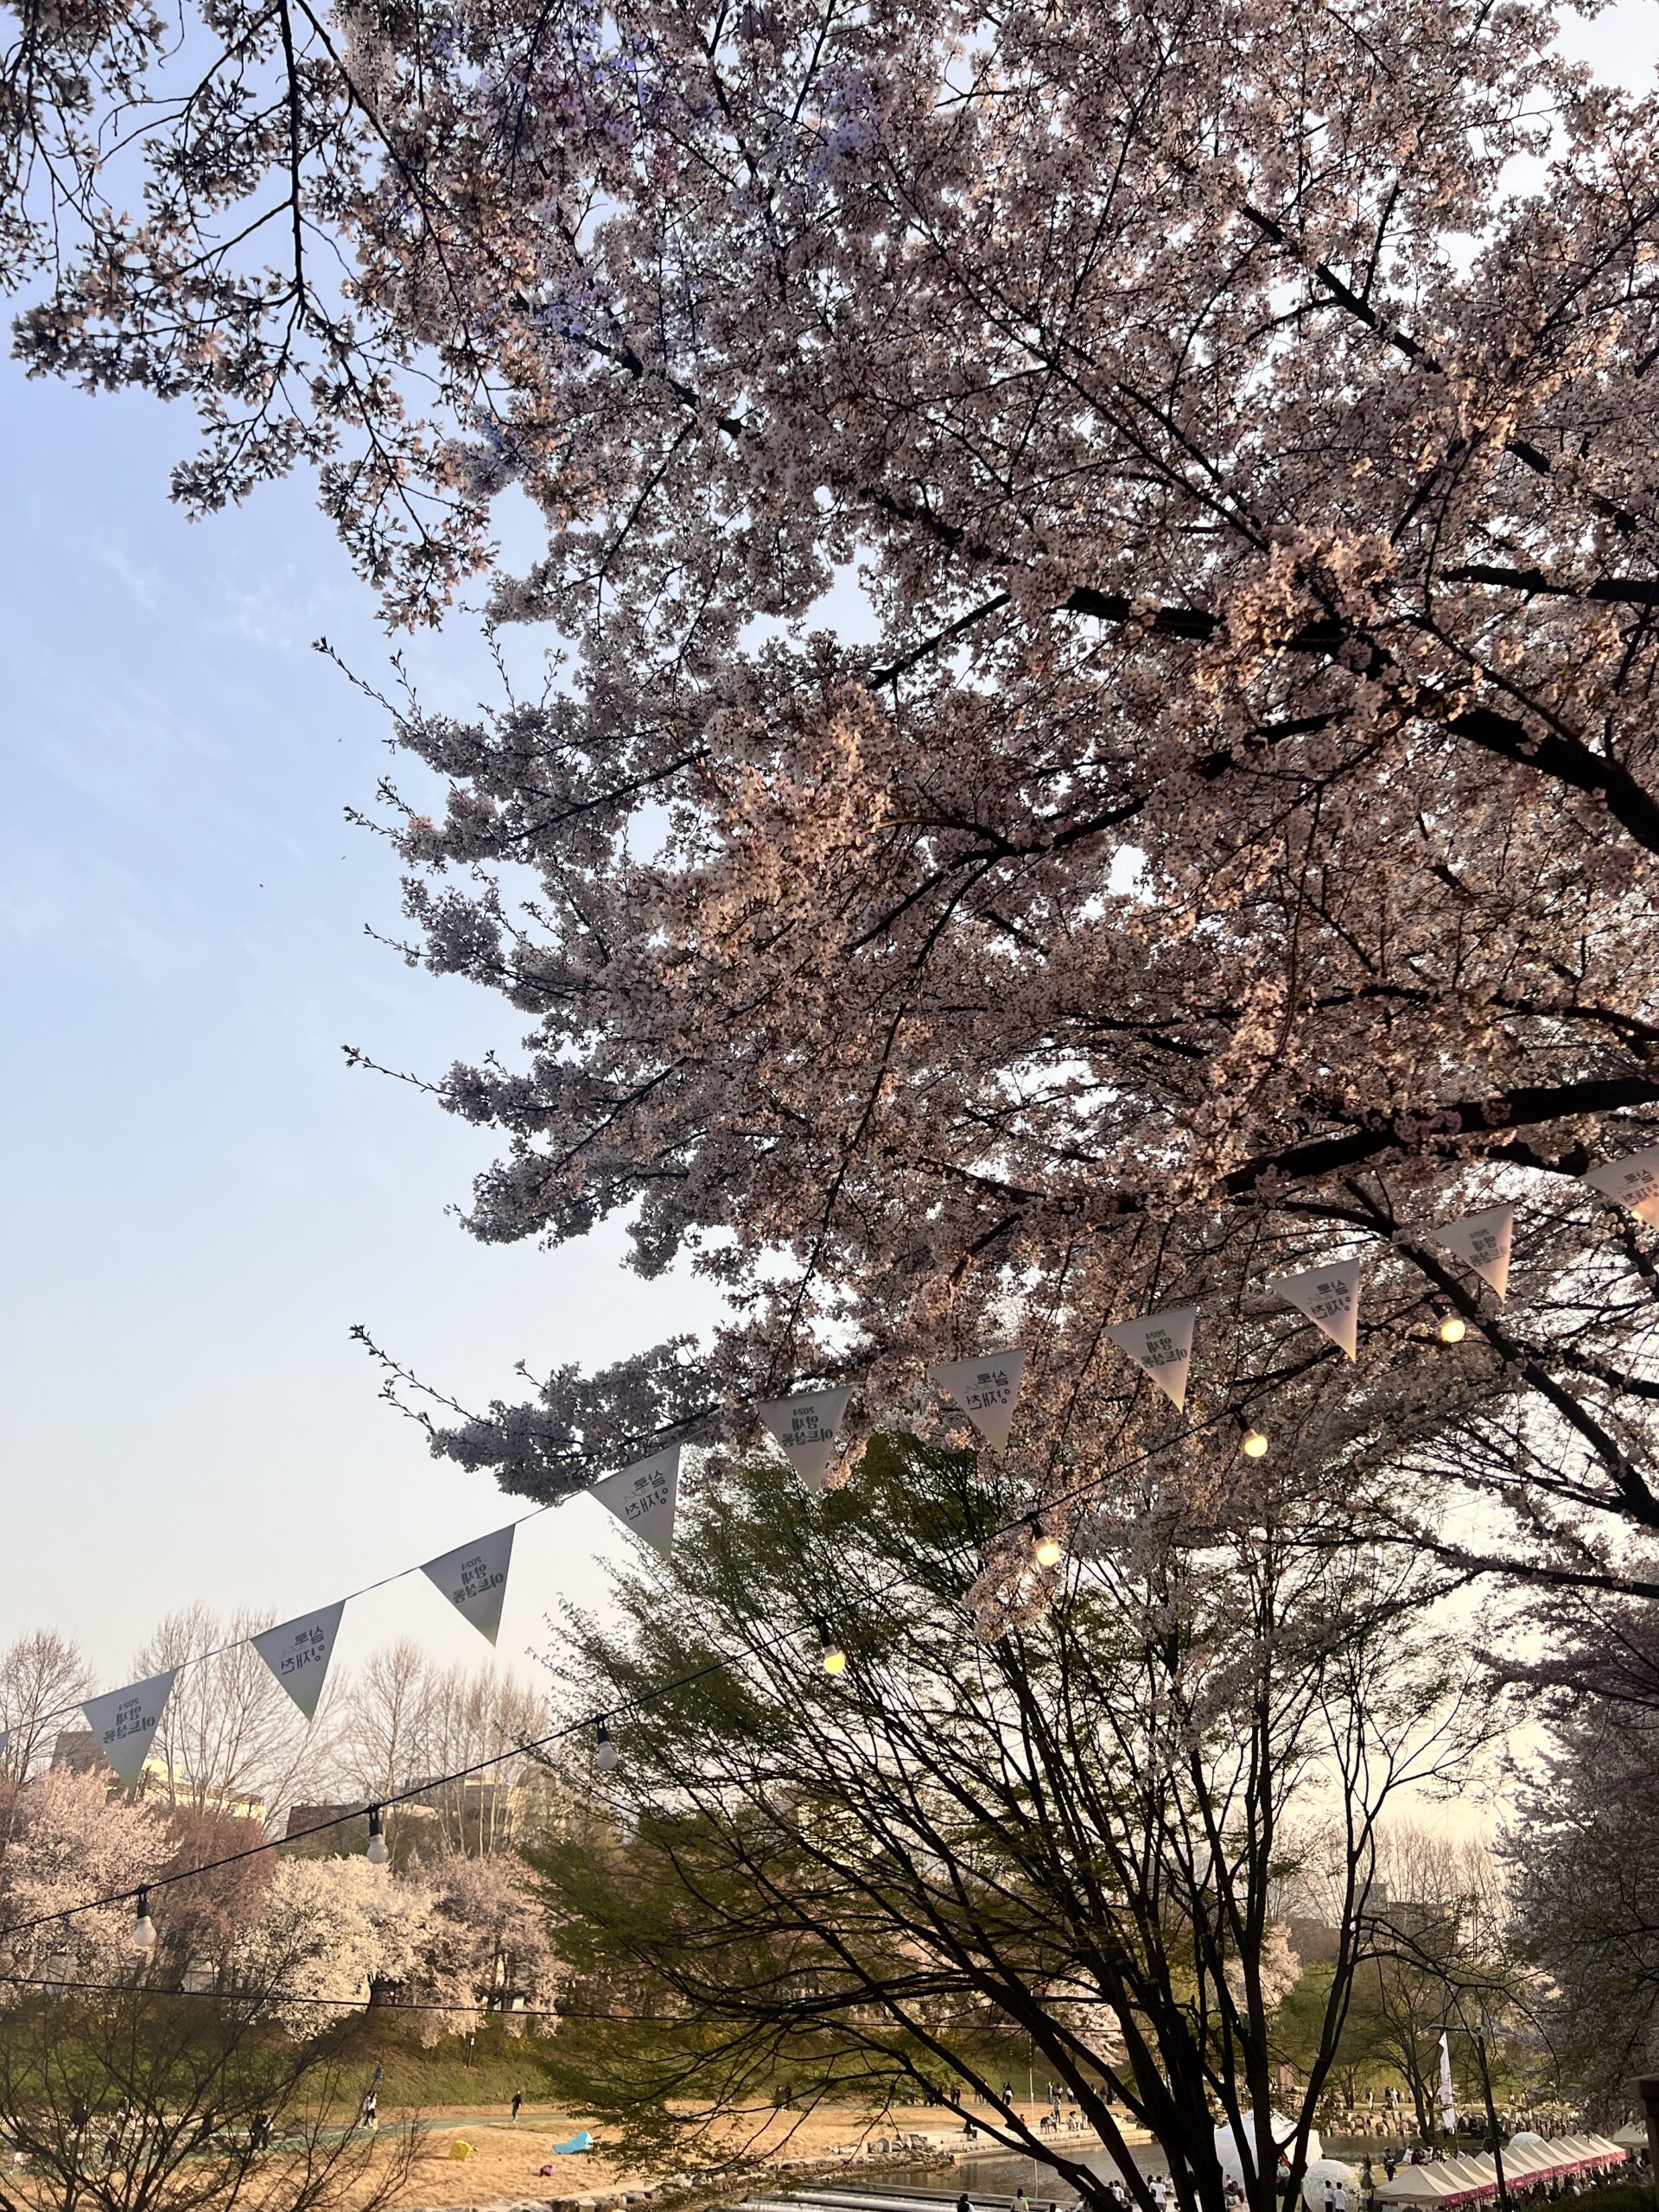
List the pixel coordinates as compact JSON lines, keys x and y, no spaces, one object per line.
{"x":604,"y":1749}
{"x":1453,"y":1329}
{"x":831,"y":1653}
{"x":831,"y":1657}
{"x":377,"y":1854}
{"x":1047,"y":1551}
{"x":1253,"y":1444}
{"x":143,"y":1928}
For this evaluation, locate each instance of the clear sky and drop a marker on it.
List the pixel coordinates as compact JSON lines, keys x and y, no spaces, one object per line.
{"x":200,"y":1200}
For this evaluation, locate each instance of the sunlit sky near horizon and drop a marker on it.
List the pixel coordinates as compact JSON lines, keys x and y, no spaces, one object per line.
{"x":202,"y":1199}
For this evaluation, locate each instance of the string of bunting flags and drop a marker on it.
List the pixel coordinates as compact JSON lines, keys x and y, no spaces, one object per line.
{"x":473,"y":1577}
{"x":808,"y":1427}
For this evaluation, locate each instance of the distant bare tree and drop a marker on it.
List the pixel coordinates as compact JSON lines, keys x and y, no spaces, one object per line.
{"x":478,"y":1716}
{"x":405,"y":1722}
{"x":229,"y":1730}
{"x":386,"y":1725}
{"x":43,"y":1676}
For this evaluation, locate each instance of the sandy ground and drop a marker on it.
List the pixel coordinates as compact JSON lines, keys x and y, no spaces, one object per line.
{"x":506,"y":2156}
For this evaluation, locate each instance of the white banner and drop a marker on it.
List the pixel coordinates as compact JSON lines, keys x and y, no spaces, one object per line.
{"x":1329,"y":1297}
{"x":644,"y":1496}
{"x":1160,"y":1345}
{"x":807,"y":1427}
{"x":1481,"y":1241}
{"x":298,"y":1653}
{"x":473,"y":1577}
{"x":985,"y":1390}
{"x":1632,"y":1182}
{"x":1448,"y":2095}
{"x":124,"y":1723}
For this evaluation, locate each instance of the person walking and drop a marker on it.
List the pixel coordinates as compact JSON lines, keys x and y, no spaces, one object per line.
{"x":518,"y":2099}
{"x":368,"y":2112}
{"x":1007,"y":2095}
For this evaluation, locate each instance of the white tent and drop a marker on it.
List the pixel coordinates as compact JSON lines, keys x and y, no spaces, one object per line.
{"x":1440,"y":2181}
{"x":1527,"y":2161}
{"x":1279,"y":2131}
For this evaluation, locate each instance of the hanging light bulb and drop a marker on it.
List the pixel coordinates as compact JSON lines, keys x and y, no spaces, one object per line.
{"x":1453,"y":1329}
{"x":143,"y":1928}
{"x":1047,"y":1551}
{"x":377,"y":1854}
{"x":1253,"y":1444}
{"x":831,"y":1657}
{"x":604,"y":1749}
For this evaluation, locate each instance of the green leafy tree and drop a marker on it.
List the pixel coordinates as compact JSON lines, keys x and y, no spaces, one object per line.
{"x":1072,"y":1828}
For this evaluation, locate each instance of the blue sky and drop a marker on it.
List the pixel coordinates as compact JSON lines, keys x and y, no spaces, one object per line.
{"x":201,"y":1198}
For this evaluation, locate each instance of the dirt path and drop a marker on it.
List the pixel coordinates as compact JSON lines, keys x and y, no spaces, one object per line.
{"x":502,"y":2166}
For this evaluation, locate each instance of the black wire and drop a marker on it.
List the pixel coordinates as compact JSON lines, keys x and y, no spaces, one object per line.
{"x":591,"y":1720}
{"x":413,"y":2004}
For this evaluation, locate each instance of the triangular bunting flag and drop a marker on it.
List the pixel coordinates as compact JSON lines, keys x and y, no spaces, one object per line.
{"x":1632,"y":1182}
{"x":124,"y":1723}
{"x":473,"y":1577}
{"x":1160,"y":1345}
{"x":807,"y":1427}
{"x":298,"y":1653}
{"x":1481,"y":1241}
{"x":644,"y":1496}
{"x":985,"y":1388}
{"x":1329,"y":1297}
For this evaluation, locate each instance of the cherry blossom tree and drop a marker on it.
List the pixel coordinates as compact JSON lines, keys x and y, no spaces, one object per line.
{"x":456,"y":1936}
{"x":66,"y":1843}
{"x":1104,"y":574}
{"x":328,"y":1932}
{"x":488,"y":1947}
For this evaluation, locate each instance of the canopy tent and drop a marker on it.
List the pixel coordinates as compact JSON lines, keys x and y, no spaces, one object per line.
{"x":1633,"y":2136}
{"x":1528,"y":2163}
{"x":1442,"y":2181}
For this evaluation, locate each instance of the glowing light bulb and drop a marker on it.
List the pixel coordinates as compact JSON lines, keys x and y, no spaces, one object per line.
{"x":833,"y":1659}
{"x":1253,"y":1445}
{"x":378,"y":1853}
{"x":1453,"y":1329}
{"x":143,"y":1928}
{"x":604,"y":1749}
{"x":1047,"y":1551}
